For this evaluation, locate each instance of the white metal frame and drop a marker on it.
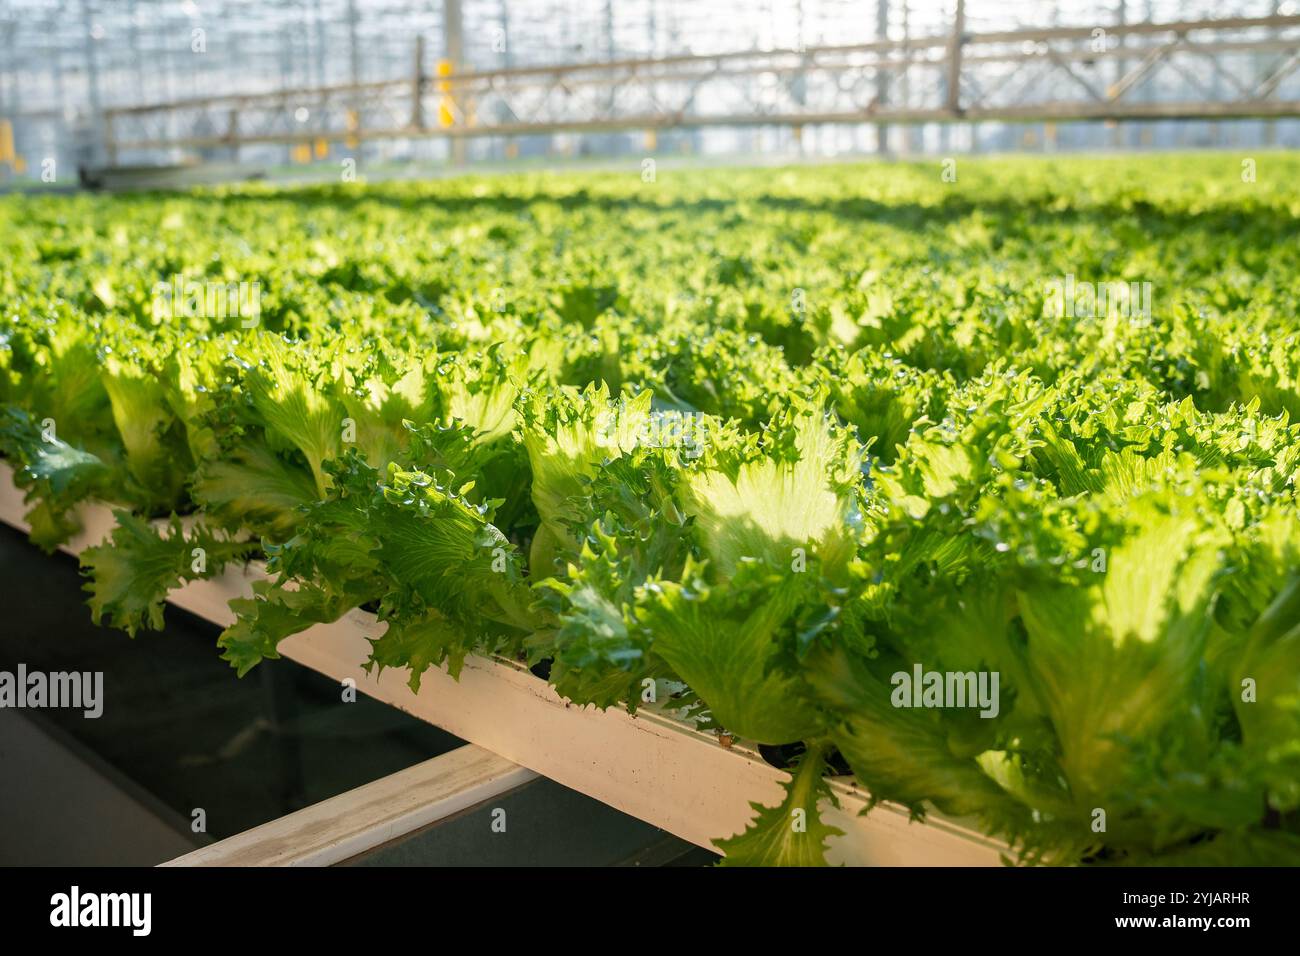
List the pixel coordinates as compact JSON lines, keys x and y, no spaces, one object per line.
{"x":956,"y":76}
{"x":649,"y":765}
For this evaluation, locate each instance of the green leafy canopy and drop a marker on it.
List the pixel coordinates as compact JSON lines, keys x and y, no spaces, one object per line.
{"x":766,"y":438}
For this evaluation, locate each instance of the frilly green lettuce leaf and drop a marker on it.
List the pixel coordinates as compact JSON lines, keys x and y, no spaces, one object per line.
{"x":133,"y":571}
{"x":793,"y":496}
{"x":294,"y":394}
{"x":792,"y":833}
{"x":55,"y":476}
{"x":255,"y":487}
{"x":734,"y":645}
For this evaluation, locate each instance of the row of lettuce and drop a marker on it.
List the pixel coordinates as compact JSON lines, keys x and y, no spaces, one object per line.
{"x":763,"y":441}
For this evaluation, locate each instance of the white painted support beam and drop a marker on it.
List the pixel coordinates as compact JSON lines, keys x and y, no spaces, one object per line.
{"x":345,"y":826}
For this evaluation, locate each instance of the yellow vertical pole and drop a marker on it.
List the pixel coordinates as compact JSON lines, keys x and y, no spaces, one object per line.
{"x":446,"y":105}
{"x":6,"y":142}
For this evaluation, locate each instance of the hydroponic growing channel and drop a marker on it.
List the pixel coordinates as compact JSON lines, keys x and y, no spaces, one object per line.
{"x":977,"y":496}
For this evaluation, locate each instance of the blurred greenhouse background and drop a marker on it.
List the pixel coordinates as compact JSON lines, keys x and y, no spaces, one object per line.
{"x":275,"y":84}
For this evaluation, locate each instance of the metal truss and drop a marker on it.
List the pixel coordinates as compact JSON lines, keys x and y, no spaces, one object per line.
{"x":1206,"y":69}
